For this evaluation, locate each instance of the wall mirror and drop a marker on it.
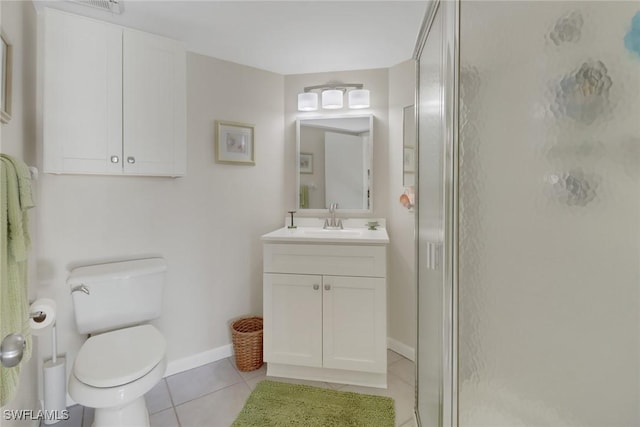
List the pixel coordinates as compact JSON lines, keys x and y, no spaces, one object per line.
{"x":334,"y":162}
{"x":409,"y":147}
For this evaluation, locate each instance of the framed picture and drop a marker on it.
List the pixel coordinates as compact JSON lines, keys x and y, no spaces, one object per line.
{"x":234,"y":143}
{"x":409,"y":160}
{"x":306,"y":163}
{"x":5,"y":78}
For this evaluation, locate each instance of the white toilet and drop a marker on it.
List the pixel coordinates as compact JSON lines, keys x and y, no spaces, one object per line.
{"x":124,"y":357}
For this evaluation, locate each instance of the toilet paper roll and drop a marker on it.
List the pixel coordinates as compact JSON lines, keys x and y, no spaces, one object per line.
{"x":38,"y":324}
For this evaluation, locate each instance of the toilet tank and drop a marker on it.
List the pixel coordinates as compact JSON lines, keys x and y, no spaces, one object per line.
{"x":117,"y":294}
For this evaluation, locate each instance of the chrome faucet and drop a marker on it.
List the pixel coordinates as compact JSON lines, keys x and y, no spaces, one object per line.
{"x":333,"y":223}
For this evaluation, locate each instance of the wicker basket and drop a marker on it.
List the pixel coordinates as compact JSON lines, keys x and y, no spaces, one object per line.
{"x":247,"y":343}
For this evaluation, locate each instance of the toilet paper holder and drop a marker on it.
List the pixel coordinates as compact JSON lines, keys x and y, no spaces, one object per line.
{"x":38,"y":316}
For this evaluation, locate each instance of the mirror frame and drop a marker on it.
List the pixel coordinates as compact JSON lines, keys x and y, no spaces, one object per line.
{"x":342,"y":212}
{"x":6,"y":78}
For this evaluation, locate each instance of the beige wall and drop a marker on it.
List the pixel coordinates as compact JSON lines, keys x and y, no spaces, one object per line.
{"x":19,"y":140}
{"x":401,"y":222}
{"x":207,"y":224}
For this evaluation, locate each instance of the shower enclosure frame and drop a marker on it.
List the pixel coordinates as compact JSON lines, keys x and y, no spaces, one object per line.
{"x":447,"y":253}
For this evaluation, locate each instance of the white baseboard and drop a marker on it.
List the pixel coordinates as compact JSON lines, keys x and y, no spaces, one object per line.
{"x":400,"y":348}
{"x":186,"y":363}
{"x":198,"y":359}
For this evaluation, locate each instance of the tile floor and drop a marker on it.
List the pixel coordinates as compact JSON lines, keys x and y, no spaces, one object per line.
{"x":212,"y":395}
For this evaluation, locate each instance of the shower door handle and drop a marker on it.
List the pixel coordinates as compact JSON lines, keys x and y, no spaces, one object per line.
{"x":433,"y":255}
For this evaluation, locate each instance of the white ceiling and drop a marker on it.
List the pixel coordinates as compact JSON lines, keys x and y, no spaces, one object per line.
{"x":286,"y":37}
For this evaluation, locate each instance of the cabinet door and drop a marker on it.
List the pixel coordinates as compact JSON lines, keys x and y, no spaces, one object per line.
{"x":154,"y":105}
{"x":354,"y":323}
{"x":293,"y":319}
{"x":82,"y":97}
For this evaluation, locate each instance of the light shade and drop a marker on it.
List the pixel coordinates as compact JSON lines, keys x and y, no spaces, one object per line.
{"x":332,"y":99}
{"x":359,"y":98}
{"x":307,"y":101}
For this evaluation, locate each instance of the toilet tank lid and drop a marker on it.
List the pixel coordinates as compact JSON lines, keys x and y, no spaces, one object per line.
{"x":116,"y":270}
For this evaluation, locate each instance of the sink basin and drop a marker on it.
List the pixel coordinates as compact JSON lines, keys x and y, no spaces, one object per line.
{"x":333,"y":233}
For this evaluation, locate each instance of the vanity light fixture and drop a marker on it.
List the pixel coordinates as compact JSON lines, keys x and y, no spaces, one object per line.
{"x":332,"y":99}
{"x":307,"y":101}
{"x":359,"y":98}
{"x":333,"y":96}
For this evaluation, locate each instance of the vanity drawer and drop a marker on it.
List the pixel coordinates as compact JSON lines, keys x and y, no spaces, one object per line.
{"x":343,"y":260}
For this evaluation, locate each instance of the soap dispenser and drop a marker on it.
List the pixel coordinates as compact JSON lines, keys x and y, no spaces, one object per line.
{"x":291,"y":226}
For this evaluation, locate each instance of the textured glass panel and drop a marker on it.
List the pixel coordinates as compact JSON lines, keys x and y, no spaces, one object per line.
{"x":549,"y":214}
{"x":430,"y":228}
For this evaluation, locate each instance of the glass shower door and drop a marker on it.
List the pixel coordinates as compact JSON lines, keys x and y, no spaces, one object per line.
{"x":436,"y":104}
{"x":549,"y":214}
{"x":529,"y":214}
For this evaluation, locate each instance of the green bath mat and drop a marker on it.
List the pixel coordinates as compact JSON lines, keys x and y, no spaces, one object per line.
{"x":274,"y":404}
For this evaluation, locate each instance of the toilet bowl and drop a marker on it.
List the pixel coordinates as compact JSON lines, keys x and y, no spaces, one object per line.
{"x":124,"y":357}
{"x":114,"y":370}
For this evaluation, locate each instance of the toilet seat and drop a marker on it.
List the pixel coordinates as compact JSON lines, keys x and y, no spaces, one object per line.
{"x":119,"y":357}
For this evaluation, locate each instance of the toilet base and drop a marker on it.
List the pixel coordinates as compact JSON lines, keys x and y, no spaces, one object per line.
{"x":118,"y":406}
{"x":134,"y":414}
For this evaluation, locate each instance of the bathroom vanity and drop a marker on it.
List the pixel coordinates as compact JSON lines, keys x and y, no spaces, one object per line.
{"x":325,"y":304}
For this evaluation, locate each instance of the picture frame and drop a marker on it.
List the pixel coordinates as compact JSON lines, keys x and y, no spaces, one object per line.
{"x":306,"y":163}
{"x":6,"y":69}
{"x":234,"y":143}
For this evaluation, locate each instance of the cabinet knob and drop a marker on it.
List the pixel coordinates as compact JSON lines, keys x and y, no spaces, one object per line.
{"x":316,"y":287}
{"x":115,"y":159}
{"x":327,"y":287}
{"x":131,"y":159}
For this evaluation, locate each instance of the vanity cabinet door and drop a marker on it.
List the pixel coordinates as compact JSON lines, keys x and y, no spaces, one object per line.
{"x":293,"y":319}
{"x":354,"y":323}
{"x":154,"y":105}
{"x":82,"y":98}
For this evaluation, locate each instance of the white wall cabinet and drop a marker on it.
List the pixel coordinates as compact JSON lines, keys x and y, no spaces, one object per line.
{"x":330,"y":324}
{"x":114,"y":99}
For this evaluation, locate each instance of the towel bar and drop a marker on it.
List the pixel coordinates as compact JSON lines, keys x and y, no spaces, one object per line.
{"x":34,"y":172}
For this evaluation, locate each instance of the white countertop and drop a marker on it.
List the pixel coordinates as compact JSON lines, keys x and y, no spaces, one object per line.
{"x":360,"y":235}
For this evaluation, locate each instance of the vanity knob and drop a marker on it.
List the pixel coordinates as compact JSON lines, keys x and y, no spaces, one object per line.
{"x":115,"y":159}
{"x":327,"y":287}
{"x":316,"y":287}
{"x":131,"y":160}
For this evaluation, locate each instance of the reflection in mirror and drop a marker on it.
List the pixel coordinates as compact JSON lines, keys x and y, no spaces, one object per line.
{"x":409,"y":147}
{"x":334,"y":155}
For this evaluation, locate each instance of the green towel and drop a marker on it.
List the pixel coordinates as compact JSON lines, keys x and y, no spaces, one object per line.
{"x":304,"y":197}
{"x":15,"y":199}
